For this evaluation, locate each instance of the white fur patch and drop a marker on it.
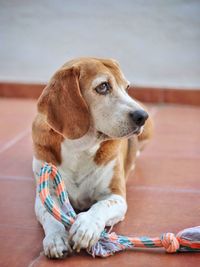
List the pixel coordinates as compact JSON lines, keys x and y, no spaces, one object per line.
{"x":85,"y":181}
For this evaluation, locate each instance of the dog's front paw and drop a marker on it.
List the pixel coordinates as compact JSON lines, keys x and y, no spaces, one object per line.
{"x":86,"y":231}
{"x":56,"y":245}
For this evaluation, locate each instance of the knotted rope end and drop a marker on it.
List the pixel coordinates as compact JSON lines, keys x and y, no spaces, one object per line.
{"x":170,"y":242}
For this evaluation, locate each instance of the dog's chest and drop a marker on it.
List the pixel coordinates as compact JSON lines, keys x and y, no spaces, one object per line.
{"x":86,"y":182}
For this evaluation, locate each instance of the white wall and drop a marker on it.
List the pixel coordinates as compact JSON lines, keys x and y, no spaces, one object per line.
{"x":157,"y":42}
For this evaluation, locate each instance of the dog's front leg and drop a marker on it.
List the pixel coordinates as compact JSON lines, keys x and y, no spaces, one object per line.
{"x":88,"y":226}
{"x":55,"y":243}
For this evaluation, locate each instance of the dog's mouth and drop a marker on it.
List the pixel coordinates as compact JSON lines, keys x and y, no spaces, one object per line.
{"x":137,"y":131}
{"x":102,"y":136}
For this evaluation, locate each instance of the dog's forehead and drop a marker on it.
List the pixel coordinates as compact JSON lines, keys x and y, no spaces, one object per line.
{"x":93,"y":69}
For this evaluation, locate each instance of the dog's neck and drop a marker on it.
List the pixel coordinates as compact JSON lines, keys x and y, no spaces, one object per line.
{"x":90,"y":141}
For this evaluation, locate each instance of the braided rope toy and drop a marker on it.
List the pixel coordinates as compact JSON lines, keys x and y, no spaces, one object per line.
{"x":109,"y":243}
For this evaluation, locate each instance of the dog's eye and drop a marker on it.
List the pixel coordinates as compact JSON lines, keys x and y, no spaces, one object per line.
{"x":103,"y":88}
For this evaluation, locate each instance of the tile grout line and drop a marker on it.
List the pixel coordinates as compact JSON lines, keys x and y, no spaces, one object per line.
{"x":18,"y":227}
{"x":166,"y":189}
{"x":23,"y":178}
{"x":13,"y":141}
{"x":35,"y":261}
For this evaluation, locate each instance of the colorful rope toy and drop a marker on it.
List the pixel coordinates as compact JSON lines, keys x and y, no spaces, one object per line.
{"x":108,"y":244}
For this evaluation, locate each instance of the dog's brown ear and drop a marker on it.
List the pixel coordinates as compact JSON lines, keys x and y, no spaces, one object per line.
{"x":63,"y":104}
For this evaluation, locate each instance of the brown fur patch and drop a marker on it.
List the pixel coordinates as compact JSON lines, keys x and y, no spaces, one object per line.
{"x":107,"y":151}
{"x":130,"y":159}
{"x":46,"y":142}
{"x":118,"y":182}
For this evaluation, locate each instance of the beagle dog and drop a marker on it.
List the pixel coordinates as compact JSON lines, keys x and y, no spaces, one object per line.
{"x":92,"y":130}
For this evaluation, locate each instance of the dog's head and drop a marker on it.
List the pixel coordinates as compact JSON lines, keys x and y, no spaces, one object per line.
{"x":90,"y":92}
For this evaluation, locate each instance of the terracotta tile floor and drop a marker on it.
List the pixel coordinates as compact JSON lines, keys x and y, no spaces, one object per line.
{"x":163,"y":194}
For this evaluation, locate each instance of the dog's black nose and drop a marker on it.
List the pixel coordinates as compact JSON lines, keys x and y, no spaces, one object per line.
{"x":139,"y":117}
